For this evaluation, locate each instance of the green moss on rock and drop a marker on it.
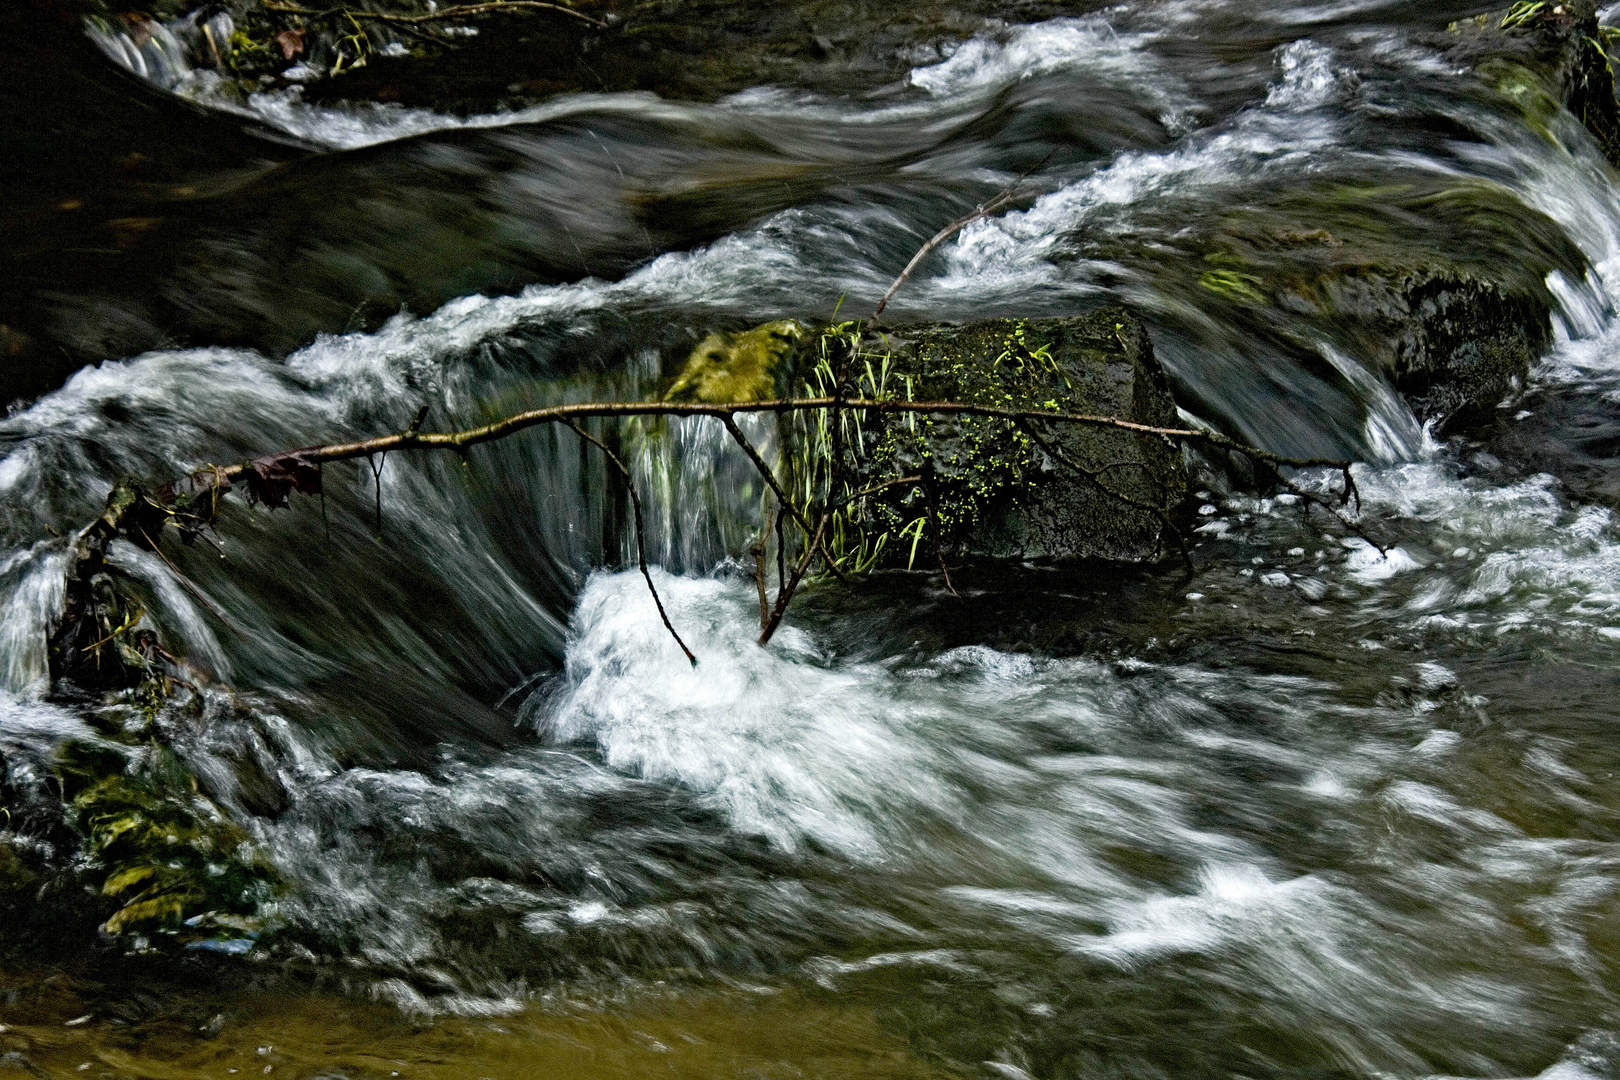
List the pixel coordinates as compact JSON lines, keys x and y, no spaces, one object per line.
{"x":751,"y":365}
{"x":996,"y":491}
{"x":165,"y":858}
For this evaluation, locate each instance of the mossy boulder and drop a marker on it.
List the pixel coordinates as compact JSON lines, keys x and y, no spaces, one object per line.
{"x":984,"y":486}
{"x":1051,"y":491}
{"x":1438,"y":284}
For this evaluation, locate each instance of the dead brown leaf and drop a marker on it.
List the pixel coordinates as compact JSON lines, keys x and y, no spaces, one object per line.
{"x":291,"y":42}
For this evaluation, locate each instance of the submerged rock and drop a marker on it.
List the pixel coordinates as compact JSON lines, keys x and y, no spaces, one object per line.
{"x":1546,"y":56}
{"x":1462,"y":338}
{"x":1457,"y":338}
{"x":1441,"y":287}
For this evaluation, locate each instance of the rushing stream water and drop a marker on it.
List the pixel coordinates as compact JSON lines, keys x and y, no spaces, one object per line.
{"x":1314,"y":812}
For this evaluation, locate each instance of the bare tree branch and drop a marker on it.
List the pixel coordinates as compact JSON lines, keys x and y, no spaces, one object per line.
{"x":759,"y":567}
{"x":511,"y":425}
{"x":785,"y":596}
{"x":984,"y":209}
{"x":271,"y":478}
{"x":1008,"y":195}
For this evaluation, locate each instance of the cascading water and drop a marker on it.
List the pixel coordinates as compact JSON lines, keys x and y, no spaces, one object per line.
{"x":1316,"y":811}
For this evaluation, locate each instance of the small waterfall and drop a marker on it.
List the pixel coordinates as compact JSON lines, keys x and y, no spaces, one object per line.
{"x":166,"y":54}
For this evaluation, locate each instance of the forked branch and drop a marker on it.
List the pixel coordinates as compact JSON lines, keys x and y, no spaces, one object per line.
{"x":193,"y":502}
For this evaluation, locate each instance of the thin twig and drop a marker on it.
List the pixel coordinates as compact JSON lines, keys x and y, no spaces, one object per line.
{"x":376,"y":477}
{"x":129,"y":620}
{"x":781,"y":552}
{"x":1094,"y":477}
{"x":216,"y":478}
{"x":641,"y":532}
{"x":784,"y":597}
{"x":874,"y":489}
{"x":984,"y":209}
{"x":500,"y":429}
{"x":187,"y":584}
{"x":1008,"y":195}
{"x":759,"y":568}
{"x":765,"y":471}
{"x":939,"y":533}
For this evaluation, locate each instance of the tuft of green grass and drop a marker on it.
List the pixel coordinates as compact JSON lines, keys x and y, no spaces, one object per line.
{"x":1520,"y":14}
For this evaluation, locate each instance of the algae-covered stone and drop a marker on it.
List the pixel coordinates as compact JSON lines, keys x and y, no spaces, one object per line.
{"x":1440,"y":285}
{"x":990,"y":488}
{"x":165,"y":859}
{"x":752,"y":365}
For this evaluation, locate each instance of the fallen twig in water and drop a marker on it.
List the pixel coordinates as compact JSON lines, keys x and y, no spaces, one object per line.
{"x":272,"y":478}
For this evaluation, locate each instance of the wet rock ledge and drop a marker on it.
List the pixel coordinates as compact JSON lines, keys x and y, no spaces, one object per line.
{"x":1440,"y":283}
{"x":1459,"y":339}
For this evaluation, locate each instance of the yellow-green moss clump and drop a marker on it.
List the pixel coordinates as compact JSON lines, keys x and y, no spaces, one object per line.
{"x":753,"y":365}
{"x":168,"y":860}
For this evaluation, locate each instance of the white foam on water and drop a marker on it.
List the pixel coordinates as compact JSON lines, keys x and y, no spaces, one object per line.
{"x":989,"y":63}
{"x":1475,"y":554}
{"x":1013,"y":252}
{"x":1233,"y":903}
{"x":973,"y":71}
{"x":780,"y":744}
{"x":38,"y":727}
{"x":964,"y":773}
{"x":1369,"y":565}
{"x":854,"y":756}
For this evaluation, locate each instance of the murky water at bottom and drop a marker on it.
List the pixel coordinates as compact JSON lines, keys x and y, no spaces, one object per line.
{"x":686,"y":1035}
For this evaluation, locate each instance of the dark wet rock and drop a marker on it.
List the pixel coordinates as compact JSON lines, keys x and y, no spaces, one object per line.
{"x":1458,"y":345}
{"x":695,"y":50}
{"x":1462,"y":338}
{"x":1438,"y":284}
{"x":987,"y":489}
{"x":1453,"y":342}
{"x":995,"y":491}
{"x":1440,"y":287}
{"x":1562,"y":431}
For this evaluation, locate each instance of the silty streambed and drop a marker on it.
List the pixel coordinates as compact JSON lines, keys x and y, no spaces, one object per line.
{"x":1313,"y":812}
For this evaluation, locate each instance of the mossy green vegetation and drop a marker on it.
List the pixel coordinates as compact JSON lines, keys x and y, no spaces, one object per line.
{"x":752,"y":365}
{"x":910,"y":489}
{"x":168,"y":861}
{"x":997,"y":490}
